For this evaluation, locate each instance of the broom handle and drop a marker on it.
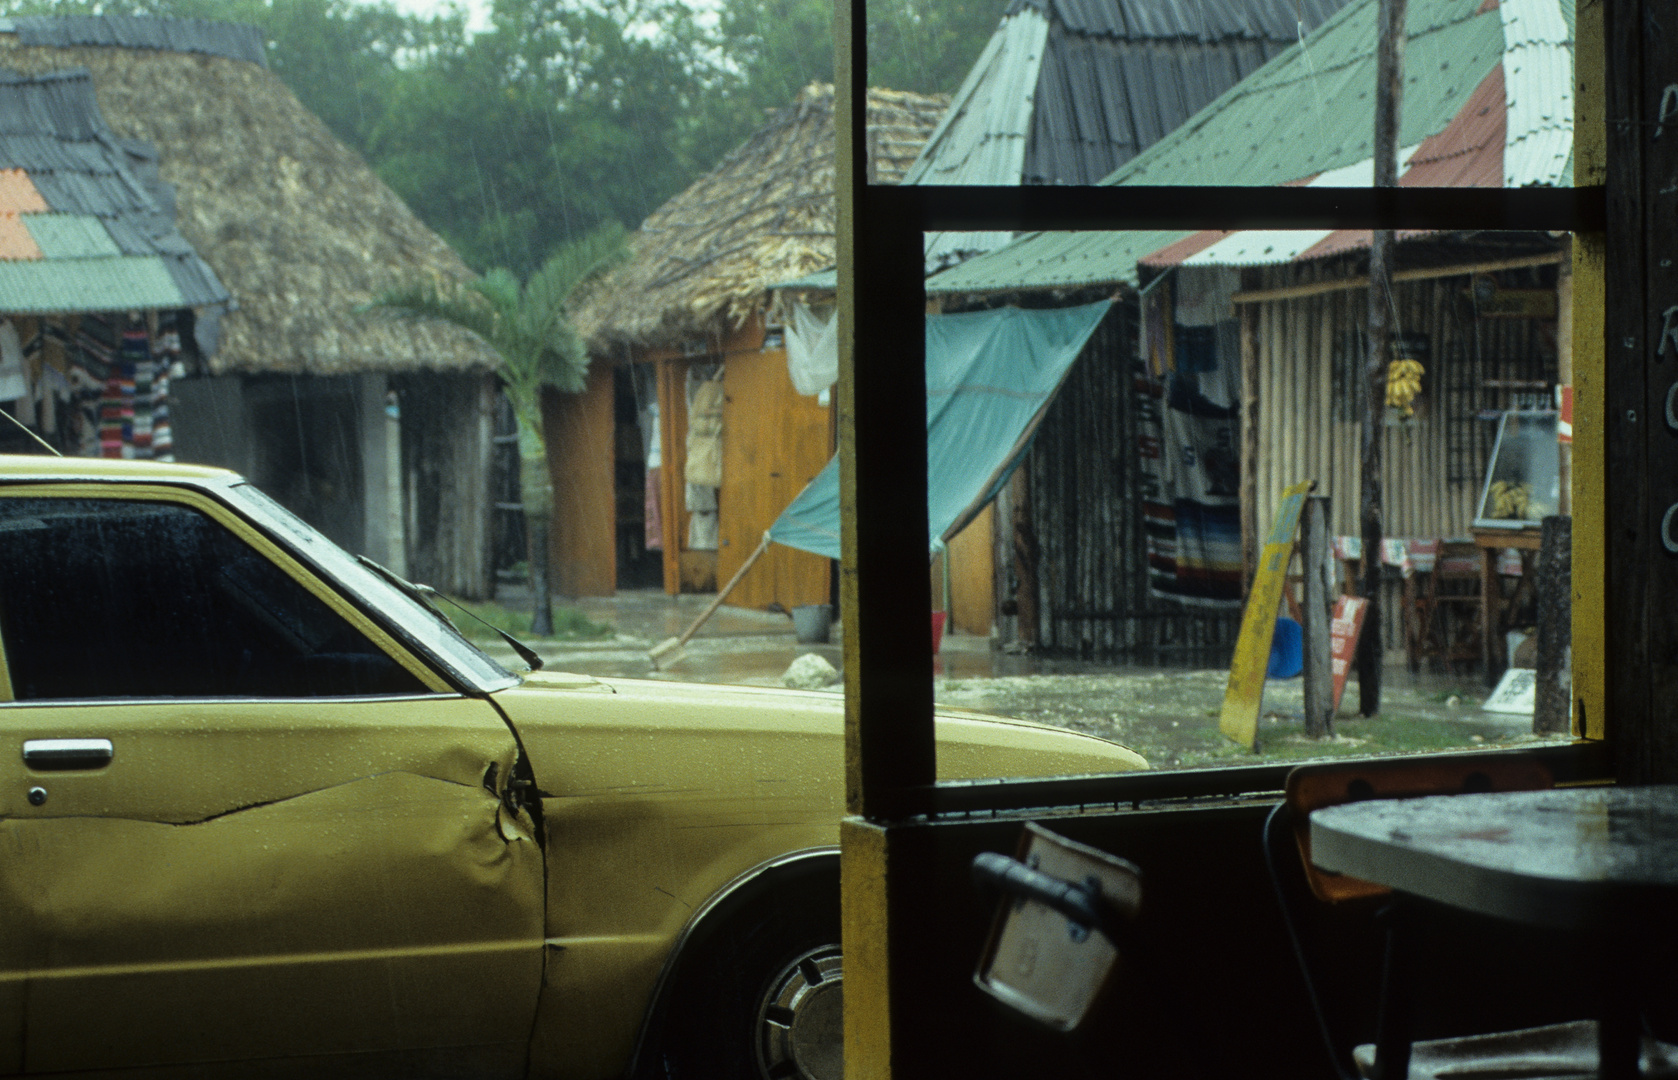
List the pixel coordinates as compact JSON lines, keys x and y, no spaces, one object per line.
{"x":723,"y":593}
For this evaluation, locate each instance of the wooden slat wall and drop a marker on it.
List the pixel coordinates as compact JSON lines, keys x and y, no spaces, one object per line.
{"x":446,"y":423}
{"x":583,"y":539}
{"x":1307,"y":431}
{"x":1091,"y":571}
{"x":972,"y":570}
{"x":775,"y":441}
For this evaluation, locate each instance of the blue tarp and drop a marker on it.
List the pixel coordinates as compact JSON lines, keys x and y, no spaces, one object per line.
{"x":989,"y":377}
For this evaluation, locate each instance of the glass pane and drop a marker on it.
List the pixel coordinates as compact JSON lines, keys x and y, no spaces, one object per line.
{"x":1126,"y":547}
{"x":1255,"y":92}
{"x":104,"y":598}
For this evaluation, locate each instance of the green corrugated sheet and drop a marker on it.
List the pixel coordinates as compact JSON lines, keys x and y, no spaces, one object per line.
{"x":85,"y":285}
{"x":70,"y":236}
{"x":1306,"y":112}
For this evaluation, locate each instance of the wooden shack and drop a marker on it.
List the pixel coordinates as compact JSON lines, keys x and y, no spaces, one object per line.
{"x":693,"y":302}
{"x":377,"y":431}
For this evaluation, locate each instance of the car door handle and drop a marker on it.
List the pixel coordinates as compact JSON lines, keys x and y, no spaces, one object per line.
{"x":55,"y":755}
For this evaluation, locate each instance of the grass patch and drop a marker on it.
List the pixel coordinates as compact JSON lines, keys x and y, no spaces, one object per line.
{"x":570,"y":624}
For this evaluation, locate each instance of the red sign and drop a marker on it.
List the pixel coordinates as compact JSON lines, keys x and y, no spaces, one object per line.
{"x":1564,"y":424}
{"x":1343,"y":632}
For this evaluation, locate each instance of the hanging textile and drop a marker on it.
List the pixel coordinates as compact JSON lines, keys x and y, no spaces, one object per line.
{"x":812,"y":351}
{"x":1188,"y":411}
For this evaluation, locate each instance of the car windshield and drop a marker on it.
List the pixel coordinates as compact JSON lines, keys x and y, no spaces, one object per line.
{"x":416,"y":622}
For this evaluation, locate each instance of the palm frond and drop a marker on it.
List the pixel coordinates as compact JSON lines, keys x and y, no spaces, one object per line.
{"x":426,"y":302}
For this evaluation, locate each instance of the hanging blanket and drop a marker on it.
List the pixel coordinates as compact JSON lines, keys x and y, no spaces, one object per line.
{"x":1187,"y":399}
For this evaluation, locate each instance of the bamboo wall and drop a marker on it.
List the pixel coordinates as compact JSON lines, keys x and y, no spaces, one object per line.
{"x":1307,"y":413}
{"x":1082,"y":552}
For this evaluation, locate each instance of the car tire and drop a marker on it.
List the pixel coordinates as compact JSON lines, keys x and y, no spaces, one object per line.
{"x":762,"y":998}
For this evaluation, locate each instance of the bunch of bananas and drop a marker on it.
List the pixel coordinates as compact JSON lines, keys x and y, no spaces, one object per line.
{"x":1510,"y":500}
{"x":1404,"y":382}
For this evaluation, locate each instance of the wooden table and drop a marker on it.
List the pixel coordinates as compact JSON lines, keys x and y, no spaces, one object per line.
{"x":1601,"y":861}
{"x":1490,"y":542}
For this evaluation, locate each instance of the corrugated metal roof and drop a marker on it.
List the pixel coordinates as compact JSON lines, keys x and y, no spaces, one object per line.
{"x":1206,"y":20}
{"x":76,"y":285}
{"x":982,"y":136}
{"x":1066,"y":91}
{"x":1307,"y":112}
{"x":15,"y":241}
{"x":1538,"y":87}
{"x":98,"y":220}
{"x":70,"y":236}
{"x":234,"y":41}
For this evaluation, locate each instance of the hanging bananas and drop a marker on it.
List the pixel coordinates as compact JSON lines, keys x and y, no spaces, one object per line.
{"x":1511,"y":500}
{"x":1404,"y":382}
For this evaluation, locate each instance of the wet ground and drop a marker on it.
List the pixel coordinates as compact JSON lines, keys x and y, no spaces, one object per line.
{"x":1169,"y":716}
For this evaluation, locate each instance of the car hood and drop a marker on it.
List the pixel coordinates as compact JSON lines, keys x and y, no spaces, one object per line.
{"x":586,"y":734}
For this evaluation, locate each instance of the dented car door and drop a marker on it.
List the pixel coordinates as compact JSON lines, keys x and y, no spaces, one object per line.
{"x":238,"y":821}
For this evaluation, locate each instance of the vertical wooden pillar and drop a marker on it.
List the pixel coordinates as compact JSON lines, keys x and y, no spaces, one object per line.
{"x":885,"y":598}
{"x":1319,"y":670}
{"x":1250,"y":442}
{"x":1642,"y":366}
{"x":1588,"y":265}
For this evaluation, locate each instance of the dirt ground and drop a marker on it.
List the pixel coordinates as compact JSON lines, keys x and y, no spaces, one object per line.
{"x":1168,"y":716}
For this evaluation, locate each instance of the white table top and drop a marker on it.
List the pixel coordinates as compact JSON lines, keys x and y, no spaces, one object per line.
{"x":1599,"y":858}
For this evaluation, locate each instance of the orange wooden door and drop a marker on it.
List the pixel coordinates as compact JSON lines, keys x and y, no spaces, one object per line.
{"x":774,"y":442}
{"x":583,"y":540}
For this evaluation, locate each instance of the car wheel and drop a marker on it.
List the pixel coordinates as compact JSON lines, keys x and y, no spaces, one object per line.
{"x":763,"y":999}
{"x":800,"y":1020}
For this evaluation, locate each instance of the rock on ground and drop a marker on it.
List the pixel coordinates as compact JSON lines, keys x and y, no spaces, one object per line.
{"x":810,"y":672}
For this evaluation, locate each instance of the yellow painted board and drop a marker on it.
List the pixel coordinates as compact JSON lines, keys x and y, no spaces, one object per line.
{"x":863,"y":891}
{"x":1244,"y":695}
{"x":1590,"y":511}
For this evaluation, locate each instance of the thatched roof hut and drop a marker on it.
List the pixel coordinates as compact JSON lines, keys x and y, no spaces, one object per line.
{"x":701,"y":263}
{"x":295,"y":224}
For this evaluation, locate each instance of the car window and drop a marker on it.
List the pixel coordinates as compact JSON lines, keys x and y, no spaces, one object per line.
{"x":104,"y":598}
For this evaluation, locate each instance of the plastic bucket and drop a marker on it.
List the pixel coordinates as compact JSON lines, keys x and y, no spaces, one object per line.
{"x":812,"y":622}
{"x":937,"y":630}
{"x":1287,"y":650}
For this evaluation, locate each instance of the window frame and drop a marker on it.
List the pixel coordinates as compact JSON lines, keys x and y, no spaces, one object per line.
{"x":882,"y":303}
{"x":266,"y":546}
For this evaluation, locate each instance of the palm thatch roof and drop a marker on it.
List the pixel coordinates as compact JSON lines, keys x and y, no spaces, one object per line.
{"x":700,"y":265}
{"x":294,"y":223}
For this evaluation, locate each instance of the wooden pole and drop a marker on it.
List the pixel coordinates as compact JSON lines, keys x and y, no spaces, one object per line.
{"x":1249,"y":446}
{"x":1319,"y":659}
{"x":658,"y":653}
{"x":1389,"y":90}
{"x":1553,"y":710}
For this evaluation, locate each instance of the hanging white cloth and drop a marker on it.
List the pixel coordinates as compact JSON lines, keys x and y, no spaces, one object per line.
{"x":812,"y":351}
{"x":13,"y":383}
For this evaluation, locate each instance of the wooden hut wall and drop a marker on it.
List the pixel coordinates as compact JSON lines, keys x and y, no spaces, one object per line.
{"x":1085,"y":546}
{"x":581,"y":462}
{"x":775,"y":441}
{"x":1309,"y":351}
{"x":447,"y":426}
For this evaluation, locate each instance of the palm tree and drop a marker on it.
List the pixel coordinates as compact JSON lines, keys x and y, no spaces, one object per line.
{"x":528,"y":328}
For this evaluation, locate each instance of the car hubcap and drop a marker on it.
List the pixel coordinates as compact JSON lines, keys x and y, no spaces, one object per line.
{"x":800,"y":1025}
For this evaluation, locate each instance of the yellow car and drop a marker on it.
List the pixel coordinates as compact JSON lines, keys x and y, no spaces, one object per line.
{"x":266,"y":812}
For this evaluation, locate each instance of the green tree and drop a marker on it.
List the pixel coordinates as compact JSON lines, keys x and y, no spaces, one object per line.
{"x":528,"y":328}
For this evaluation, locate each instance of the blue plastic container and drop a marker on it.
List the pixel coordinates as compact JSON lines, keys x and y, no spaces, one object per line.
{"x":1287,"y":650}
